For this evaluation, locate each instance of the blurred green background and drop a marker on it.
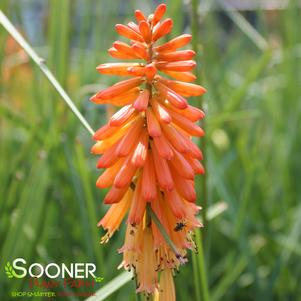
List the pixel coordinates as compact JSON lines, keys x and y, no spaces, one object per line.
{"x":249,"y":60}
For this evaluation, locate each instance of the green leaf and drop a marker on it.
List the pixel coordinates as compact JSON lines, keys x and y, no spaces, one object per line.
{"x":111,"y":287}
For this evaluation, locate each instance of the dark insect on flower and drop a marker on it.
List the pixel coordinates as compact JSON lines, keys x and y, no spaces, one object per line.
{"x":179,"y":226}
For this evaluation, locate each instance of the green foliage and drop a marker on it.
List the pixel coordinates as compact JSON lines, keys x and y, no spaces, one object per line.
{"x":49,"y":204}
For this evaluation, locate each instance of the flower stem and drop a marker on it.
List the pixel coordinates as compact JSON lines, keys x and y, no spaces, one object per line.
{"x":162,"y":230}
{"x":42,"y":65}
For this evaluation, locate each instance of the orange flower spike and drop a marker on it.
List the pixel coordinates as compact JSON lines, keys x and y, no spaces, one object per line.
{"x":153,"y":125}
{"x":148,"y":185}
{"x":148,"y":150}
{"x":159,"y":13}
{"x":174,"y":44}
{"x":145,"y":31}
{"x":163,"y":29}
{"x":140,"y":153}
{"x":120,"y":87}
{"x":128,"y":32}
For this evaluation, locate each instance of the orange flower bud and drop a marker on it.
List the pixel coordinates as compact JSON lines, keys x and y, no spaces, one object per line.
{"x":176,"y":66}
{"x":153,"y":125}
{"x":184,"y":89}
{"x":108,"y":158}
{"x":176,"y":100}
{"x":127,"y":32}
{"x":196,"y":165}
{"x":182,"y":76}
{"x":115,"y":195}
{"x":161,"y":113}
{"x":162,"y":171}
{"x":140,"y":51}
{"x":122,"y":116}
{"x":129,"y":140}
{"x":118,"y":68}
{"x":162,"y":30}
{"x":176,"y":204}
{"x":139,"y":15}
{"x":163,"y":147}
{"x":108,"y":177}
{"x":182,"y":166}
{"x":183,"y":186}
{"x":140,"y":153}
{"x":174,"y":44}
{"x":175,"y":139}
{"x":119,"y":55}
{"x":187,"y":125}
{"x":159,"y":13}
{"x":145,"y":31}
{"x":150,"y":72}
{"x":192,"y":113}
{"x":120,"y":87}
{"x":138,"y":206}
{"x":149,"y":188}
{"x":182,"y":55}
{"x":134,"y":27}
{"x":124,"y":48}
{"x":141,"y":102}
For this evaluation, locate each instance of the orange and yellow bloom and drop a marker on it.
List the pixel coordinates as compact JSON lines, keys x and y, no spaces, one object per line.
{"x":147,"y":150}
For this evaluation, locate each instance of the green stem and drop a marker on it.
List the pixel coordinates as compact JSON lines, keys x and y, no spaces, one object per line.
{"x":201,"y":266}
{"x":162,"y":230}
{"x":198,"y":260}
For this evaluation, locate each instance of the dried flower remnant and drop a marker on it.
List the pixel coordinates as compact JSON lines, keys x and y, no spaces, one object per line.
{"x":148,"y":152}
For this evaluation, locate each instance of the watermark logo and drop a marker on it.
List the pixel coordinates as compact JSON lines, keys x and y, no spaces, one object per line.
{"x":10,"y":272}
{"x":20,"y":269}
{"x":53,"y":276}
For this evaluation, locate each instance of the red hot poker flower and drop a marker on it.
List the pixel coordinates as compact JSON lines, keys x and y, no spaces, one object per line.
{"x":148,"y":152}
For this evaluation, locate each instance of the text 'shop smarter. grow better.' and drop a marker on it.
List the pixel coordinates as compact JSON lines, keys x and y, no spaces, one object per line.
{"x":147,"y":151}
